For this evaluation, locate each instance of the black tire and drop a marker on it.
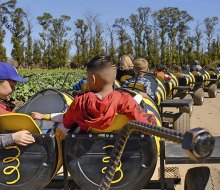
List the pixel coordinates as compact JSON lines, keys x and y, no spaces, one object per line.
{"x":181,"y":122}
{"x":213,"y":90}
{"x":186,"y":109}
{"x":202,"y":178}
{"x":198,"y":97}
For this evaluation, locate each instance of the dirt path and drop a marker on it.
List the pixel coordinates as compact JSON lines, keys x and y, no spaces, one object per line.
{"x":205,"y":116}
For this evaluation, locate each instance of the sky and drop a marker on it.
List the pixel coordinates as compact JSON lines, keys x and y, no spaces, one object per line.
{"x":109,"y":10}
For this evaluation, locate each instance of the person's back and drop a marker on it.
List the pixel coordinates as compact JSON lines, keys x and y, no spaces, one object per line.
{"x":125,"y":69}
{"x":98,"y":107}
{"x":195,"y":66}
{"x":160,"y":74}
{"x":140,"y":68}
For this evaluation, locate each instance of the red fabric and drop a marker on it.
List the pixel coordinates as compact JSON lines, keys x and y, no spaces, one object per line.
{"x":87,"y":110}
{"x":162,"y":75}
{"x":4,"y":109}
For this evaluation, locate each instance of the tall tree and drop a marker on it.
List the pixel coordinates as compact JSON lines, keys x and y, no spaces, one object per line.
{"x":28,"y":48}
{"x":98,"y":40}
{"x":44,"y":21}
{"x":182,"y":32}
{"x":18,"y":33}
{"x":123,"y":37}
{"x":111,"y":48}
{"x":210,"y":24}
{"x":155,"y":44}
{"x":5,"y":10}
{"x":60,"y":46}
{"x":36,"y":53}
{"x":198,"y":39}
{"x":95,"y":32}
{"x":81,"y":38}
{"x":141,"y":29}
{"x":161,"y":22}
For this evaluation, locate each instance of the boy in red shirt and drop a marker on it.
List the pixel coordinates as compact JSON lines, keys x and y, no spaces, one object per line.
{"x":97,"y":108}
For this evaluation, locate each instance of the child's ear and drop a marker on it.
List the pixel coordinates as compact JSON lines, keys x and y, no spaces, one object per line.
{"x":93,"y":79}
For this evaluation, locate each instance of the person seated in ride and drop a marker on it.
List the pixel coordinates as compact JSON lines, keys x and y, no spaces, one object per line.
{"x":160,"y":73}
{"x":195,"y":66}
{"x":97,"y":108}
{"x":185,"y":68}
{"x":179,"y":72}
{"x":125,"y":70}
{"x":8,"y":79}
{"x":140,"y":68}
{"x":81,"y":86}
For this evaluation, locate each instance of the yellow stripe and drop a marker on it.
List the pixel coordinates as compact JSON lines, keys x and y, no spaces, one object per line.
{"x":161,"y":84}
{"x":68,"y":99}
{"x":117,"y":83}
{"x":162,"y":93}
{"x":148,"y":102}
{"x":157,"y":139}
{"x":158,"y":98}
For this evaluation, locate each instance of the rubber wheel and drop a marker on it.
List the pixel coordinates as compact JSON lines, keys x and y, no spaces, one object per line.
{"x":202,"y":178}
{"x":181,"y":122}
{"x":213,"y":90}
{"x":186,"y":109}
{"x":198,"y":97}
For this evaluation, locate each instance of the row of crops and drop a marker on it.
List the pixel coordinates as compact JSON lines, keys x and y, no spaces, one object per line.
{"x":42,"y":79}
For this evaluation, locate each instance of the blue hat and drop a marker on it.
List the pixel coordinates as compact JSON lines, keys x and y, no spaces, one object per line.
{"x":7,"y":71}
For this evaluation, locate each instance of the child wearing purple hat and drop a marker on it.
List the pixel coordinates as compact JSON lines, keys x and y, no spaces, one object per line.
{"x":8,"y":79}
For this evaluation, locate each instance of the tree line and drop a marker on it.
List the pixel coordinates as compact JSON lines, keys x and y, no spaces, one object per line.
{"x":162,"y":36}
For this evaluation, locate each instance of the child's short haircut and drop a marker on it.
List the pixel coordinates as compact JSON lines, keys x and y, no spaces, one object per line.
{"x":100,"y":63}
{"x":126,"y":62}
{"x":140,"y":64}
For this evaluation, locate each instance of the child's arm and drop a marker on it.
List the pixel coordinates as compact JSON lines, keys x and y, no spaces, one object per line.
{"x":21,"y":137}
{"x":130,"y":108}
{"x":55,"y":117}
{"x":6,"y":140}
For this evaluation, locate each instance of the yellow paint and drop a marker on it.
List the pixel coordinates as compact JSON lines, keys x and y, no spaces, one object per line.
{"x":17,"y":122}
{"x":11,"y":169}
{"x":125,"y":77}
{"x":118,"y":169}
{"x":68,"y":99}
{"x":158,"y":98}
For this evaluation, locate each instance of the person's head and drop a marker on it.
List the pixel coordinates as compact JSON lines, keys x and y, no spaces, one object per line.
{"x":196,"y":62}
{"x":126,"y":63}
{"x":186,"y":68}
{"x":8,"y":79}
{"x":159,"y":67}
{"x":140,"y":64}
{"x":177,"y":68}
{"x":101,"y":72}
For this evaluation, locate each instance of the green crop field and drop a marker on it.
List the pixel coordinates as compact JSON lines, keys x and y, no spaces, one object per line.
{"x":39,"y":79}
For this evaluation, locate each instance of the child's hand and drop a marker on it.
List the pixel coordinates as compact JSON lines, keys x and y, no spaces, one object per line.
{"x":37,"y":115}
{"x":23,"y":138}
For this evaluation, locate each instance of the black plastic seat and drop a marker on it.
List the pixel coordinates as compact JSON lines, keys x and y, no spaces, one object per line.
{"x":174,"y":154}
{"x":176,"y":103}
{"x":182,"y":88}
{"x":87,"y":156}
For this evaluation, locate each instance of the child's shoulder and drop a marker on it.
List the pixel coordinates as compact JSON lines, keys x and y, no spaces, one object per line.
{"x":121,"y":93}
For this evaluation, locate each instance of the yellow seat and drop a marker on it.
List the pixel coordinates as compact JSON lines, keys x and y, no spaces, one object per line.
{"x":137,"y":86}
{"x":125,"y":77}
{"x":17,"y":122}
{"x":116,"y":126}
